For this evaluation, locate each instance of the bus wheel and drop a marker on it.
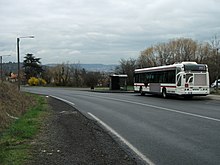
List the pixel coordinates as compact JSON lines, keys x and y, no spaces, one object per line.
{"x":188,"y":97}
{"x":164,"y":93}
{"x":141,"y":91}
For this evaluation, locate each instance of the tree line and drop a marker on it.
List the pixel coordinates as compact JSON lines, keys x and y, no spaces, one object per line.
{"x":176,"y":50}
{"x":60,"y":75}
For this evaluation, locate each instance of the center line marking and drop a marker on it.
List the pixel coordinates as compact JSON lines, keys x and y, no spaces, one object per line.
{"x":134,"y":149}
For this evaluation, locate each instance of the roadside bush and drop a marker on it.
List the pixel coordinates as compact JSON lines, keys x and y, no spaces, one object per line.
{"x":33,"y":81}
{"x":42,"y":81}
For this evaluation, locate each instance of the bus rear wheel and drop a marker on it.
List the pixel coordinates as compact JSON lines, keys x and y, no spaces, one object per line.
{"x":188,"y":97}
{"x":164,"y":93}
{"x":141,"y":91}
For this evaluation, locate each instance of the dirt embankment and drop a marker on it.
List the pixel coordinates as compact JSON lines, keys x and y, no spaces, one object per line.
{"x":70,"y":138}
{"x":12,"y":104}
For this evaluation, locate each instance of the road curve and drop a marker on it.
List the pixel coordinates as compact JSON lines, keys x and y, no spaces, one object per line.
{"x":166,"y":131}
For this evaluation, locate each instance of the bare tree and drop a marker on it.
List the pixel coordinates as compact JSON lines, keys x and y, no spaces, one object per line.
{"x":61,"y":74}
{"x":164,"y":54}
{"x":147,"y":58}
{"x":127,"y":67}
{"x":77,"y":75}
{"x":183,"y":49}
{"x":92,"y":79}
{"x":203,"y":53}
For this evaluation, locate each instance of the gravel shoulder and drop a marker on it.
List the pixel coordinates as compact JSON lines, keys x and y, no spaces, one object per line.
{"x":68,"y":137}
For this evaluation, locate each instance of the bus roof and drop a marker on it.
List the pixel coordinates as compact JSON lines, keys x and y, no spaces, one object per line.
{"x":166,"y":67}
{"x":157,"y":68}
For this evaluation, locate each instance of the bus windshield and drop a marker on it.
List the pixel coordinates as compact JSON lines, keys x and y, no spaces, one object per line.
{"x":197,"y":67}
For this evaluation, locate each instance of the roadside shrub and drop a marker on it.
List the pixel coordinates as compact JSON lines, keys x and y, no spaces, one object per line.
{"x":33,"y":81}
{"x":42,"y":81}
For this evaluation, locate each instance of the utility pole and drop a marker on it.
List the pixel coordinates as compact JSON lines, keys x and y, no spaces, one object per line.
{"x":1,"y":59}
{"x":18,"y":56}
{"x":1,"y":68}
{"x":217,"y":76}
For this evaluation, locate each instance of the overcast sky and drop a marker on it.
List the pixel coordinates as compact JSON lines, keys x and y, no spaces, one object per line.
{"x":101,"y":31}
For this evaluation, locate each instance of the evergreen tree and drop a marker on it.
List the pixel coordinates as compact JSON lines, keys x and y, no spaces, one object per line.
{"x":32,"y":66}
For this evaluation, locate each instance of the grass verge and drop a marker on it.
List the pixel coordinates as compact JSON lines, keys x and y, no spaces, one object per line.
{"x":15,"y":141}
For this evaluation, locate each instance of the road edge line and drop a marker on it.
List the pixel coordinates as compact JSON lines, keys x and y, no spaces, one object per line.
{"x":134,"y":149}
{"x":66,"y":101}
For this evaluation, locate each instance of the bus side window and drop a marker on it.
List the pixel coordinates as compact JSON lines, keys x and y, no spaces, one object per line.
{"x":147,"y":77}
{"x":136,"y":78}
{"x":141,"y":80}
{"x":171,"y":76}
{"x":161,"y":77}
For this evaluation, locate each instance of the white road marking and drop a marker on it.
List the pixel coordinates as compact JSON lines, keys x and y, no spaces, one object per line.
{"x":162,"y":108}
{"x":147,"y":105}
{"x":134,"y":149}
{"x":66,"y":101}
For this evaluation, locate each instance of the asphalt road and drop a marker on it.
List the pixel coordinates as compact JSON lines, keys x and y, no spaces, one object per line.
{"x":164,"y":131}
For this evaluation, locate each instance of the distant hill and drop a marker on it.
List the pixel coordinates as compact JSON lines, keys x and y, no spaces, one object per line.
{"x":98,"y":67}
{"x":13,"y":67}
{"x":9,"y":67}
{"x":92,"y":67}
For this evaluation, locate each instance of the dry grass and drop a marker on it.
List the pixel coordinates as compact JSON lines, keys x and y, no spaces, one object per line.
{"x":12,"y":104}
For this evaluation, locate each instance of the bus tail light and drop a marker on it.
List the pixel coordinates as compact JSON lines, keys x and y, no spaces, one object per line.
{"x":186,"y":85}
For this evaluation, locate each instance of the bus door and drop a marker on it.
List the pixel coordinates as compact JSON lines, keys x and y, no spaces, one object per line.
{"x":189,"y":80}
{"x":179,"y":80}
{"x":180,"y":83}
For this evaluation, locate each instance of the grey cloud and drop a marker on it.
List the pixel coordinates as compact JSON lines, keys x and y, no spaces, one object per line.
{"x":102,"y":31}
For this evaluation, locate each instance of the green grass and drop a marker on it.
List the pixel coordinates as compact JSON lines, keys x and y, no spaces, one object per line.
{"x":214,"y":91}
{"x":15,"y":141}
{"x":130,"y":88}
{"x":101,"y":88}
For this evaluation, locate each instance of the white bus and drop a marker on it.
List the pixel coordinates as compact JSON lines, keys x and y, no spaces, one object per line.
{"x":186,"y":79}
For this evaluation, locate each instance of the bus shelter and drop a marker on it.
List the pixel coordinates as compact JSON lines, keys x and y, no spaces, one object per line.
{"x":118,"y":82}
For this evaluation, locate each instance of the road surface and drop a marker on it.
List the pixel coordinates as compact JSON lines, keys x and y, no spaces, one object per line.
{"x":162,"y":131}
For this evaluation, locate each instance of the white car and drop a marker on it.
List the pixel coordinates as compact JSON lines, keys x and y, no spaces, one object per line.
{"x":213,"y":85}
